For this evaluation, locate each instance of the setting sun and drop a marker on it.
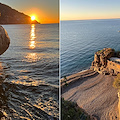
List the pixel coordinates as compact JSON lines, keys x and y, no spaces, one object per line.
{"x":33,"y":18}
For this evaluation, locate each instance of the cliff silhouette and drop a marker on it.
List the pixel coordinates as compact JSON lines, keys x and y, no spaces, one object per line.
{"x":9,"y":15}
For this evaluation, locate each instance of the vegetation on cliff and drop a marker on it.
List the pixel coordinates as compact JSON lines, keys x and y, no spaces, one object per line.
{"x":12,"y":16}
{"x":116,"y":82}
{"x":71,"y":111}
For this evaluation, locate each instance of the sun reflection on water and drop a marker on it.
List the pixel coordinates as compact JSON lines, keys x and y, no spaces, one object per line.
{"x":32,"y":37}
{"x":32,"y":44}
{"x":32,"y":57}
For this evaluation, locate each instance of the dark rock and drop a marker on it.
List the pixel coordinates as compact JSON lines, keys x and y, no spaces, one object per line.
{"x":12,"y":16}
{"x":96,"y":58}
{"x":105,"y":73}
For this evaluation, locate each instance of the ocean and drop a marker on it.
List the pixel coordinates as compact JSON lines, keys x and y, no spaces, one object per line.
{"x":80,"y":39}
{"x":31,"y":68}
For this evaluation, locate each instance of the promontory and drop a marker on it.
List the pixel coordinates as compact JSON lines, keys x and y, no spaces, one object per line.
{"x":9,"y":15}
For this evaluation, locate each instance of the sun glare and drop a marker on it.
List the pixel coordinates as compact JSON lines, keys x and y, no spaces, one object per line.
{"x":33,"y":18}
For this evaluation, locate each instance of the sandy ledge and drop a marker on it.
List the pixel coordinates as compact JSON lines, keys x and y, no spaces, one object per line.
{"x":93,"y":92}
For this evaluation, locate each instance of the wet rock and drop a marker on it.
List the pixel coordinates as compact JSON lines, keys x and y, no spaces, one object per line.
{"x":4,"y":40}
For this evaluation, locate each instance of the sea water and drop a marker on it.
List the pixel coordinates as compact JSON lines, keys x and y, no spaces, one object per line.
{"x":30,"y":89}
{"x":80,"y":39}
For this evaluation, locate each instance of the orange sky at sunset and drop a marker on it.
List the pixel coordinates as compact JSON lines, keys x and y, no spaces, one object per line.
{"x":45,"y":11}
{"x":43,"y":16}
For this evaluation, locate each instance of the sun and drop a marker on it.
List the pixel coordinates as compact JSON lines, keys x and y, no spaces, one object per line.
{"x":33,"y":18}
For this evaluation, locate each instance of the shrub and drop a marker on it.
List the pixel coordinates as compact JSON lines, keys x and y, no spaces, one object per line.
{"x":65,"y":80}
{"x":71,"y":111}
{"x":100,"y":51}
{"x":116,"y":82}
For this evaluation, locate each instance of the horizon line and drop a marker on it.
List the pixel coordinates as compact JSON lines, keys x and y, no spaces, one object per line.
{"x":91,"y":19}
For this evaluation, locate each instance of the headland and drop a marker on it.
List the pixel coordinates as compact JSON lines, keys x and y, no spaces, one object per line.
{"x":93,"y":89}
{"x":9,"y":15}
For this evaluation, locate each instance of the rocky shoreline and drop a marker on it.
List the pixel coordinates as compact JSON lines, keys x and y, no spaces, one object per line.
{"x":94,"y":93}
{"x":92,"y":89}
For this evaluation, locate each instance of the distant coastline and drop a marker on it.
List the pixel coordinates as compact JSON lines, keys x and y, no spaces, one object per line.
{"x":17,"y":23}
{"x":9,"y":15}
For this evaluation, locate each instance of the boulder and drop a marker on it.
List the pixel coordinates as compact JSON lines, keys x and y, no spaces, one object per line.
{"x":4,"y":40}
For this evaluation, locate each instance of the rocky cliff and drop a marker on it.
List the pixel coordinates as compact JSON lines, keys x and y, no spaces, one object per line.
{"x":101,"y":61}
{"x":12,"y":16}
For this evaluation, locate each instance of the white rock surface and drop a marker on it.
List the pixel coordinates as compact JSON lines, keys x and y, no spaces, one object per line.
{"x":4,"y":40}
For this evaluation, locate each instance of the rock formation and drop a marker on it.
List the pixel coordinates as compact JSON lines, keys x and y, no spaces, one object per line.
{"x":101,"y":58}
{"x":4,"y":40}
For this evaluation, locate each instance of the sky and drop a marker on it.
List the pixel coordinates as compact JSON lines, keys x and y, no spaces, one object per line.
{"x":89,"y":9}
{"x":45,"y":11}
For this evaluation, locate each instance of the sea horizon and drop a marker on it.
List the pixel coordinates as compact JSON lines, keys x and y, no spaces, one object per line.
{"x":80,"y":39}
{"x":91,"y":19}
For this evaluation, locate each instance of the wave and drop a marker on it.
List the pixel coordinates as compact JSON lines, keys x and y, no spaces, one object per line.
{"x":28,"y":102}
